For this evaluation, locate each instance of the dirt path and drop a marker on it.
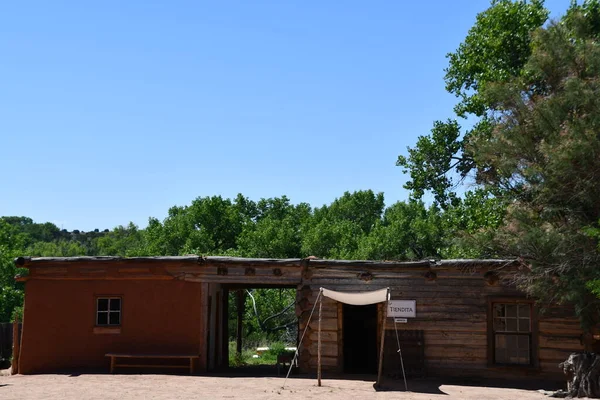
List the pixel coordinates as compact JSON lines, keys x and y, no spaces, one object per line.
{"x":107,"y":387}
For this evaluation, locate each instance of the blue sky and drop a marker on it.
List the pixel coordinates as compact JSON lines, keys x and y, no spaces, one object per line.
{"x":114,"y":111}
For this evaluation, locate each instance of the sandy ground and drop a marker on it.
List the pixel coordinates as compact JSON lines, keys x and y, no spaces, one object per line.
{"x":106,"y":387}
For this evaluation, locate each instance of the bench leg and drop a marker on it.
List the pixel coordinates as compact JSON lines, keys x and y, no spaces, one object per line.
{"x":112,"y":364}
{"x":191,"y":366}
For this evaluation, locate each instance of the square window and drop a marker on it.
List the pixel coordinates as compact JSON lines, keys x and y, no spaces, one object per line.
{"x":103,"y":304}
{"x":511,"y":324}
{"x":499,"y":310}
{"x":102,"y":318}
{"x":524,"y":325}
{"x":108,"y":311}
{"x":524,"y":311}
{"x":500,"y":324}
{"x":115,"y":304}
{"x":511,"y":311}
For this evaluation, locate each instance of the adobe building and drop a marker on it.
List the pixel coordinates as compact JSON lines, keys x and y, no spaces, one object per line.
{"x":468,"y":320}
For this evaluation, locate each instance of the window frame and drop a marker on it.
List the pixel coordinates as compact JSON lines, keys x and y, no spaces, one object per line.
{"x":491,"y":333}
{"x":108,"y":311}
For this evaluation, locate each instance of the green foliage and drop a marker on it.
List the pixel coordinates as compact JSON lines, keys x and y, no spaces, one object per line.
{"x":533,"y":152}
{"x":495,"y":50}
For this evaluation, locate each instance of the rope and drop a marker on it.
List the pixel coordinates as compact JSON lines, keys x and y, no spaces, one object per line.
{"x":400,"y":353}
{"x":301,"y":338}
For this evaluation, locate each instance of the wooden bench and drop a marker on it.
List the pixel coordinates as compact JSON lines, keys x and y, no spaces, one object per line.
{"x":115,"y":356}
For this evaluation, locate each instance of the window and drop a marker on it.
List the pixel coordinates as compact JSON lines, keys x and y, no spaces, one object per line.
{"x":108,"y":311}
{"x":512,"y":333}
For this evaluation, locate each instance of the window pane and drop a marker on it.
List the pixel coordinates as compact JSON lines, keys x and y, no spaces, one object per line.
{"x":524,"y":325}
{"x":524,"y":310}
{"x":524,"y":357}
{"x":523,"y":342}
{"x":102,"y":304}
{"x":115,"y":318}
{"x":115,"y":304}
{"x":511,"y":311}
{"x":511,"y":342}
{"x":513,"y":356}
{"x":499,"y":310}
{"x":500,"y":324}
{"x":501,"y":356}
{"x":500,"y":353}
{"x":500,"y":341}
{"x":102,"y":318}
{"x":511,"y":324}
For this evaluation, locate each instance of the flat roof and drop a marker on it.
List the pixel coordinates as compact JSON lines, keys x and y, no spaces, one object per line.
{"x":312,"y":261}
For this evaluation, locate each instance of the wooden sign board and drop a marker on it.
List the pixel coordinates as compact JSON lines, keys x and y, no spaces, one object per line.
{"x":402,"y":308}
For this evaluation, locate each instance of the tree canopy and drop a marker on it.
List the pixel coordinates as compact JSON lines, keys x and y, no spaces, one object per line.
{"x":533,"y":88}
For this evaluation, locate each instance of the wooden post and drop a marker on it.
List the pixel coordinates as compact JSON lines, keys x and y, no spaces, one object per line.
{"x":380,"y":370}
{"x":113,"y":363}
{"x":16,"y":347}
{"x":319,"y":341}
{"x":240,"y":318}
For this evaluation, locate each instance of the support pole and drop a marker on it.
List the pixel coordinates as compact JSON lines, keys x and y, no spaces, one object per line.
{"x":240,"y":318}
{"x":380,"y":369}
{"x":319,"y":342}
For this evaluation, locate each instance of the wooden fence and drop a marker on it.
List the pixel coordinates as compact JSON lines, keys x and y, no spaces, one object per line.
{"x":6,"y":340}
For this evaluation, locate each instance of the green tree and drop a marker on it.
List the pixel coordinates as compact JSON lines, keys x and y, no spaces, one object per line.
{"x":495,"y":50}
{"x":12,"y":242}
{"x":335,"y":231}
{"x":277,"y":231}
{"x":408,"y":231}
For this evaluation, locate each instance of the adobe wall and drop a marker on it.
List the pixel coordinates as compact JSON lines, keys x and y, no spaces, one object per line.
{"x":158,"y":316}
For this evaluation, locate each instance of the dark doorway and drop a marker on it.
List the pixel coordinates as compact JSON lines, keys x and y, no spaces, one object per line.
{"x":360,"y":339}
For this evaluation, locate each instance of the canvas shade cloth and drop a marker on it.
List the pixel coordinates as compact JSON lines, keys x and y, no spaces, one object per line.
{"x":358,"y":299}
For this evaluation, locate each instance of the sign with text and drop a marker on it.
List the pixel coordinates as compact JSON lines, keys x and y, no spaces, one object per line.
{"x":402,"y":308}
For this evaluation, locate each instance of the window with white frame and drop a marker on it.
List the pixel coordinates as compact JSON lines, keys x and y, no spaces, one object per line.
{"x":108,"y":311}
{"x":512,"y":333}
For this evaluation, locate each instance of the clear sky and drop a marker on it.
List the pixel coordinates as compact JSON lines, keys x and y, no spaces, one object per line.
{"x":114,"y":111}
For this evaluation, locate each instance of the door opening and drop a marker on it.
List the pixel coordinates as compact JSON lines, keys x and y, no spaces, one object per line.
{"x":360,"y":339}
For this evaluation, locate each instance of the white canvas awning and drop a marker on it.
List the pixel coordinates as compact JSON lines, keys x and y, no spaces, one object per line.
{"x":358,"y":298}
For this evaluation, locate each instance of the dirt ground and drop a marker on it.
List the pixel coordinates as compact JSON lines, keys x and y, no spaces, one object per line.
{"x":107,"y":387}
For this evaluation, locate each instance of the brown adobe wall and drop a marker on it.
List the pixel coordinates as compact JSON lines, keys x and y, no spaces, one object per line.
{"x":158,"y":316}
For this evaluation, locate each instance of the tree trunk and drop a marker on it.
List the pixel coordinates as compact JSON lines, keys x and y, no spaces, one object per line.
{"x":583,"y":375}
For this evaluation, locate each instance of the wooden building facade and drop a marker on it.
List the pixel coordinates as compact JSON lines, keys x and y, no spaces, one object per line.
{"x":470,"y":320}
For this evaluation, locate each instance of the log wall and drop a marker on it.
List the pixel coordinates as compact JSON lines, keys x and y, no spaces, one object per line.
{"x":452,"y":311}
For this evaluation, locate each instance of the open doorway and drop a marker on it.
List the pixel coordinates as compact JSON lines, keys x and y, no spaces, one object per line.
{"x":262,"y":329}
{"x":360,"y":339}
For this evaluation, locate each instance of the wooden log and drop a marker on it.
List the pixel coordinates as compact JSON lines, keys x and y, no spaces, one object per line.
{"x":16,"y":347}
{"x":328,"y":324}
{"x":455,"y":338}
{"x":572,"y":343}
{"x":319,"y":345}
{"x":456,"y":351}
{"x":327,"y":348}
{"x":382,"y":340}
{"x":240,"y":319}
{"x":326,"y":336}
{"x":325,"y":361}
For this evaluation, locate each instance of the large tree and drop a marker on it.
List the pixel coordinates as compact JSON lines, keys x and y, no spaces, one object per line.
{"x":535,"y":149}
{"x":495,"y":50}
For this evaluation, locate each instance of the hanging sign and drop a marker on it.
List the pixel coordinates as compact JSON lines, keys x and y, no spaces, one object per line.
{"x":402,"y":308}
{"x":401,"y":320}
